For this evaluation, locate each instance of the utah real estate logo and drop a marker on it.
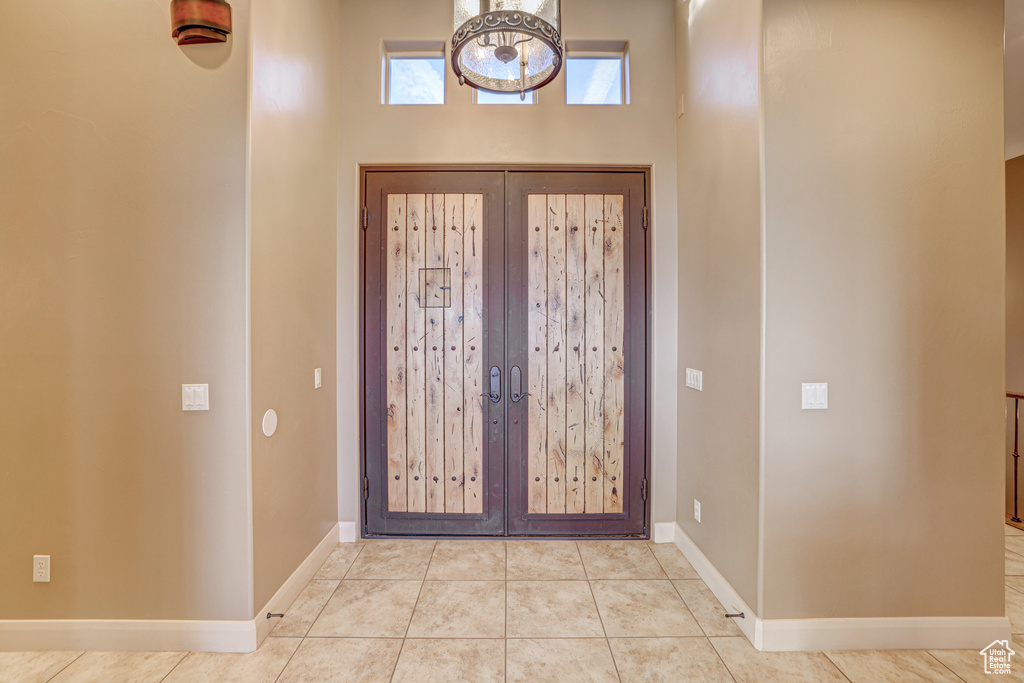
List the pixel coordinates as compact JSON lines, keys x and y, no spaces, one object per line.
{"x":997,"y":657}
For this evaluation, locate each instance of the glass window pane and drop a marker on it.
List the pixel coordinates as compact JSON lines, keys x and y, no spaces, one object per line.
{"x":416,"y":80}
{"x":593,"y":80}
{"x":484,"y":97}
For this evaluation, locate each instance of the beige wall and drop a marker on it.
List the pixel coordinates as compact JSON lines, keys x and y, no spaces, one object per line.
{"x":295,"y":105}
{"x":1014,"y":306}
{"x":551,"y":132}
{"x":719,"y":193}
{"x":122,"y":276}
{"x":885,"y":259}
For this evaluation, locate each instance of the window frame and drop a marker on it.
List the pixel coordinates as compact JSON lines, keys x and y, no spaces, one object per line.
{"x":409,"y":51}
{"x":532,"y":98}
{"x":583,"y":50}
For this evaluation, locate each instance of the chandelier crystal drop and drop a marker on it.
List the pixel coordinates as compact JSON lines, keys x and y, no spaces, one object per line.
{"x":507,"y":46}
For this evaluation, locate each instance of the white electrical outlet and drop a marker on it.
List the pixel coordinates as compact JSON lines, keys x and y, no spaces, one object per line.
{"x":195,"y":397}
{"x":41,"y":568}
{"x":695,"y":379}
{"x":318,"y":378}
{"x":696,"y":510}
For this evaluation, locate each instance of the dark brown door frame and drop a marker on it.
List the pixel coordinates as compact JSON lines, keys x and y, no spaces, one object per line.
{"x":639,"y":214}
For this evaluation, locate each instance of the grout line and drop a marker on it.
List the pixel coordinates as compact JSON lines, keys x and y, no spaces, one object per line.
{"x":690,"y":609}
{"x":290,"y":658}
{"x":184,"y":655}
{"x":835,"y":664}
{"x":943,"y":665}
{"x":413,"y":614}
{"x":607,"y":642}
{"x":719,"y":657}
{"x":75,"y":659}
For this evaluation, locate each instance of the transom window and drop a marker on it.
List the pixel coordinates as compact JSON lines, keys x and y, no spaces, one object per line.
{"x":413,"y":73}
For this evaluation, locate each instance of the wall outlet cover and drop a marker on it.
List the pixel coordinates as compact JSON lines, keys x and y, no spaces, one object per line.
{"x":41,"y":568}
{"x":318,"y":378}
{"x":696,"y":510}
{"x":815,"y":397}
{"x":695,"y":379}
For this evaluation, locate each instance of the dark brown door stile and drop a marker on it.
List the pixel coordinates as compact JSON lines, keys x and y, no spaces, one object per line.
{"x":505,"y":352}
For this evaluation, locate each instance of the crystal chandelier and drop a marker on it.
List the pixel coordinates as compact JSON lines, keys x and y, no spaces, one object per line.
{"x":505,"y":46}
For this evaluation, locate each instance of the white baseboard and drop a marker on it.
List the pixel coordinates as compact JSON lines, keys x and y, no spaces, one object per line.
{"x":347,"y":532}
{"x":896,"y":633}
{"x":110,"y":635}
{"x":114,"y":635}
{"x":664,"y":532}
{"x":287,"y":593}
{"x":723,"y":590}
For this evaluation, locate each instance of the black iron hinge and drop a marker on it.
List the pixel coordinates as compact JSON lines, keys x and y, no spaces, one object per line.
{"x":366,"y":218}
{"x":366,"y":488}
{"x":643,"y":489}
{"x":647,"y":218}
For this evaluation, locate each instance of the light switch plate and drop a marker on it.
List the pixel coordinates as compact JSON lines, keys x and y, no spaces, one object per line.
{"x":195,"y":397}
{"x":815,"y":397}
{"x":695,"y":379}
{"x":696,"y":510}
{"x":318,"y":378}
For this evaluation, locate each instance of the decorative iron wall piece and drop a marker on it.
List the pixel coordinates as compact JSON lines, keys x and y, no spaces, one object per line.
{"x":507,"y":46}
{"x":200,"y":21}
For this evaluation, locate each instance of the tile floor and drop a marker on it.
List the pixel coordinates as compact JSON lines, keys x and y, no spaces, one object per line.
{"x":422,"y":611}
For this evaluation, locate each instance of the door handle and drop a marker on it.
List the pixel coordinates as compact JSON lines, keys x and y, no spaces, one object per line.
{"x":516,"y":384}
{"x":495,"y":394}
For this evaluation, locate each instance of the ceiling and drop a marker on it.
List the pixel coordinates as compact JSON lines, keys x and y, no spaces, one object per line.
{"x":1014,"y":78}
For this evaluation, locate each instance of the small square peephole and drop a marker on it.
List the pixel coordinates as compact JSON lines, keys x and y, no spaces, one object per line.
{"x":435,"y":287}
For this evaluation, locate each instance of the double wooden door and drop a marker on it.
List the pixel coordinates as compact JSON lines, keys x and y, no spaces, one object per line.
{"x":505,"y":353}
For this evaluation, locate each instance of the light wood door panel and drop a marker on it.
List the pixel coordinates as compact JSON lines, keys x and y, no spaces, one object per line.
{"x":432,"y":359}
{"x":576,"y":314}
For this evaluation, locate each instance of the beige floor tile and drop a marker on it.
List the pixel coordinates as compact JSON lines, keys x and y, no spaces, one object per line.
{"x":1015,"y":610}
{"x":1015,"y":544}
{"x":467,"y":561}
{"x":262,"y":666}
{"x":1016,"y":583}
{"x":970,"y":666}
{"x":450,"y":661}
{"x":706,"y":609}
{"x":343,"y":660}
{"x":544,"y":561}
{"x":392,"y":560}
{"x":118,"y":667}
{"x":577,"y":660}
{"x":460,"y":609}
{"x":668,"y":660}
{"x":905,"y":666}
{"x":619,"y":560}
{"x":1013,"y":531}
{"x":368,"y":609}
{"x":674,"y":563}
{"x":639,"y":609}
{"x":306,"y":608}
{"x":552,"y":609}
{"x":33,"y":667}
{"x":1014,"y":564}
{"x":747,"y":665}
{"x":339,"y":561}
